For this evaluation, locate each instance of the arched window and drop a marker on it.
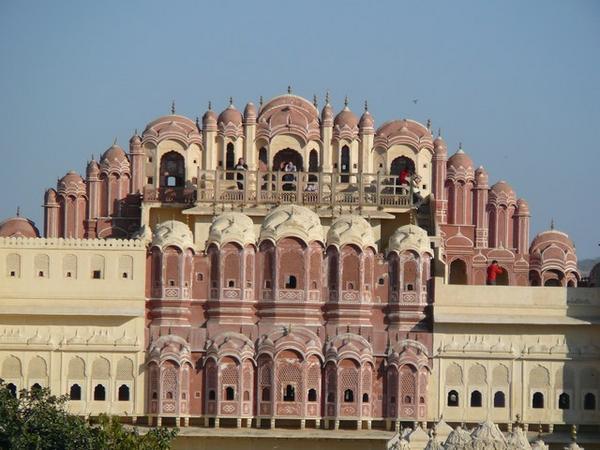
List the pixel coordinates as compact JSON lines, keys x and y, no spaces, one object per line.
{"x":313,"y":161}
{"x":229,"y":393}
{"x":212,"y":395}
{"x":452,"y":398}
{"x":75,"y":392}
{"x":458,"y":272}
{"x":564,"y":401}
{"x":36,"y":389}
{"x":99,"y":393}
{"x":289,"y":395}
{"x":229,"y":160}
{"x":476,"y":399}
{"x":345,"y":163}
{"x":499,"y":400}
{"x":401,"y":163}
{"x":172,"y":170}
{"x":348,"y":395}
{"x":12,"y":389}
{"x":312,"y":395}
{"x":123,"y":393}
{"x":589,"y":401}
{"x":262,"y":156}
{"x":365,"y":398}
{"x":266,"y":394}
{"x":290,"y":282}
{"x":246,"y":396}
{"x":537,"y":401}
{"x":407,"y":399}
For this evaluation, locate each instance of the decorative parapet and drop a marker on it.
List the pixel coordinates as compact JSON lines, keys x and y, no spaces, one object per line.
{"x":61,"y":243}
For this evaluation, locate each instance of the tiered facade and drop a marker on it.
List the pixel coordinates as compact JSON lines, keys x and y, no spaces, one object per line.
{"x":273,"y":295}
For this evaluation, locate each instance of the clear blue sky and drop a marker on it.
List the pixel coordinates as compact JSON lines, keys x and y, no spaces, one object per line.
{"x":517,"y":82}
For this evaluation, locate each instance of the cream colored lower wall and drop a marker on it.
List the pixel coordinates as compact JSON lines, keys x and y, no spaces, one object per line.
{"x":110,"y":351}
{"x":518,"y":361}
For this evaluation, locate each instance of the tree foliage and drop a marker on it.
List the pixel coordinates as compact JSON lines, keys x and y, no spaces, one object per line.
{"x":38,"y":420}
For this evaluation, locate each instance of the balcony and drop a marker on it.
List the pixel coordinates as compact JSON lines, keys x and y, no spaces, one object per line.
{"x":170,"y":194}
{"x":313,"y":189}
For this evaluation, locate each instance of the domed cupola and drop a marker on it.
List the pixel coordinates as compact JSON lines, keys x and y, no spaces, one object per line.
{"x":327,"y":113}
{"x":231,"y":227}
{"x":230,"y":121}
{"x":292,"y":221}
{"x":250,"y":114}
{"x":114,"y":159}
{"x":523,"y":207}
{"x":351,"y":229}
{"x":553,"y":259}
{"x":345,"y":124}
{"x":410,"y":237}
{"x":481,"y":177}
{"x":92,"y":170}
{"x":460,"y":166}
{"x":366,"y":123}
{"x":71,"y":184}
{"x":18,"y":227}
{"x":439,"y":145}
{"x":209,"y":119}
{"x":502,"y":193}
{"x":135,"y":139}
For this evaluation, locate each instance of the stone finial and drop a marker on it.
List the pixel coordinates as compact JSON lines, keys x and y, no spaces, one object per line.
{"x":209,"y":105}
{"x":346,"y":101}
{"x":115,"y":141}
{"x":18,"y":211}
{"x":135,"y":133}
{"x":366,"y":106}
{"x":439,"y":132}
{"x":197,"y":122}
{"x":230,"y":101}
{"x":429,"y":124}
{"x":315,"y":100}
{"x":289,"y":90}
{"x":552,"y":223}
{"x":460,"y":146}
{"x":173,"y":107}
{"x":327,"y":98}
{"x":260,"y":101}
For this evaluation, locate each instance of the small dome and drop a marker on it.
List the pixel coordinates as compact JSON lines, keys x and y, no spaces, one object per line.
{"x":410,"y":237}
{"x":351,"y":229}
{"x":250,"y":113}
{"x":439,"y":145}
{"x":523,"y":206}
{"x":460,"y":160}
{"x":346,"y":118}
{"x":327,"y":114}
{"x":114,"y":153}
{"x":71,"y":184}
{"x":172,"y":233}
{"x":366,"y":121}
{"x":405,"y":131}
{"x":50,"y":197}
{"x":292,"y":221}
{"x":481,"y":177}
{"x":230,"y":115}
{"x":231,"y":227}
{"x":93,"y":169}
{"x":209,"y":120}
{"x":18,"y":227}
{"x":502,"y":187}
{"x":135,"y":139}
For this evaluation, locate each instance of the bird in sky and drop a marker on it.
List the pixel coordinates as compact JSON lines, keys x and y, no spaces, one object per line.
{"x":415,"y":101}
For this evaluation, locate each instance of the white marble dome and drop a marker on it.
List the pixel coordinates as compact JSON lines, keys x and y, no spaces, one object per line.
{"x":351,"y":229}
{"x":292,"y":221}
{"x":231,"y":227}
{"x":172,"y":233}
{"x":410,"y":237}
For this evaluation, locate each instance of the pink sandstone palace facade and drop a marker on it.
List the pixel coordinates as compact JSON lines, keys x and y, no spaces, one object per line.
{"x":304,"y":295}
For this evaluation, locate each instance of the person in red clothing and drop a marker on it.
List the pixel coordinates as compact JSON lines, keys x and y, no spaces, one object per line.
{"x":493,"y":271}
{"x":404,"y":174}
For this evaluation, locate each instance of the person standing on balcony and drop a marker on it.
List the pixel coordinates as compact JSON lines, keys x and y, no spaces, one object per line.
{"x":240,"y":166}
{"x":493,"y":271}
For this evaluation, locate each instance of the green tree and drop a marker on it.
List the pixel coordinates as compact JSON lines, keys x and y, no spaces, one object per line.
{"x":38,"y":420}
